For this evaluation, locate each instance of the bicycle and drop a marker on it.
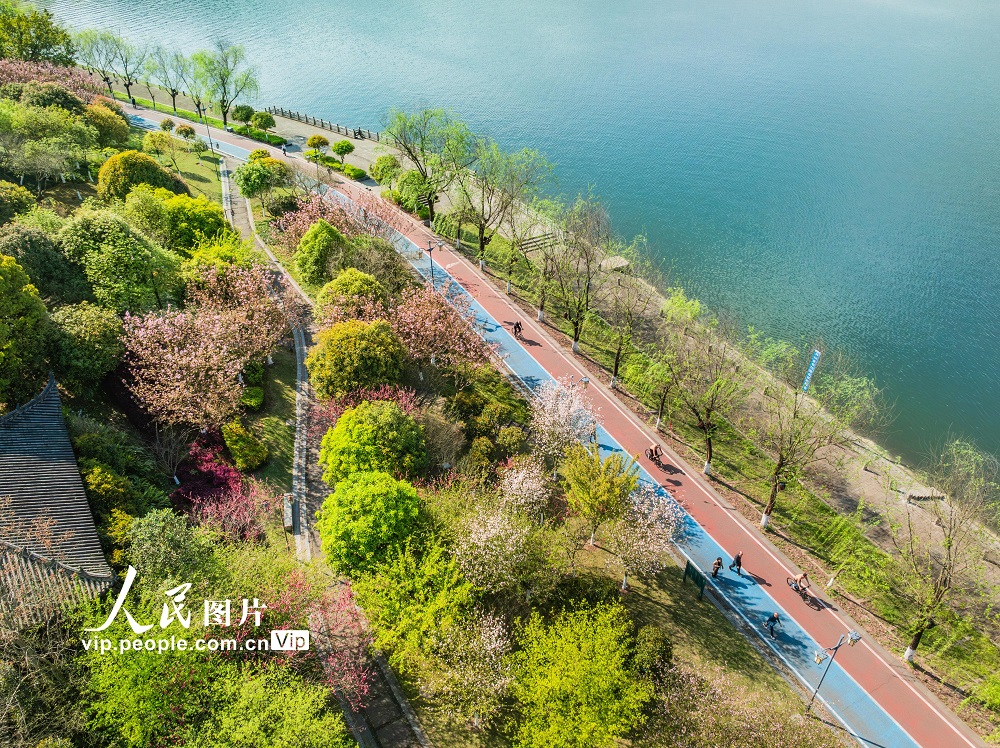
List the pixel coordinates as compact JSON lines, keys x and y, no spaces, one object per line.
{"x":803,"y":591}
{"x":654,"y":457}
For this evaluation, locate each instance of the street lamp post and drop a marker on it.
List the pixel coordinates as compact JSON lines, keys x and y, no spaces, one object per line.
{"x":430,"y":256}
{"x":851,"y":638}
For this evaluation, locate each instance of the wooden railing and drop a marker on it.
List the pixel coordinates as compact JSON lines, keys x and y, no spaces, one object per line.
{"x":353,"y":132}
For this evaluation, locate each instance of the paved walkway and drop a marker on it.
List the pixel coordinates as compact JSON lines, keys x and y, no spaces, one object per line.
{"x":868,"y":690}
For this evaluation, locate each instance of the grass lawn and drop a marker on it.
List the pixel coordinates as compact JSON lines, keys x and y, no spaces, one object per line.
{"x":272,"y":423}
{"x":201,"y":174}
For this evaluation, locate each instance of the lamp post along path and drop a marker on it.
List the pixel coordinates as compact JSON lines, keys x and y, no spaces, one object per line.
{"x":851,"y":638}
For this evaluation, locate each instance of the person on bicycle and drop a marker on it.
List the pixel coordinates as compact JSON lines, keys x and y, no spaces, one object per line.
{"x":801,"y":582}
{"x":517,"y":329}
{"x":655,"y":452}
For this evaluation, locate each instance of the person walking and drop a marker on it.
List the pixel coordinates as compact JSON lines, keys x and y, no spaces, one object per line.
{"x":770,"y":623}
{"x":716,"y":566}
{"x":737,"y":563}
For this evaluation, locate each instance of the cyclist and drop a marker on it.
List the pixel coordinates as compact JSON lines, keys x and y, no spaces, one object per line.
{"x":655,"y":453}
{"x":517,"y":329}
{"x":801,"y":583}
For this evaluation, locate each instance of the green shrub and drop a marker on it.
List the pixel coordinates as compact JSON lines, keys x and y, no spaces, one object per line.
{"x":14,"y":200}
{"x":258,"y":153}
{"x":320,"y":248}
{"x":350,"y":290}
{"x":57,"y":279}
{"x":423,"y":213}
{"x":354,"y":354}
{"x":247,"y":451}
{"x":278,"y":205}
{"x":510,"y":439}
{"x":252,"y":398}
{"x":385,"y":169}
{"x":125,"y":170}
{"x":366,"y":514}
{"x":480,"y":455}
{"x":259,"y":135}
{"x":354,"y":172}
{"x":654,"y":651}
{"x":253,"y":373}
{"x":374,"y":436}
{"x":87,"y":344}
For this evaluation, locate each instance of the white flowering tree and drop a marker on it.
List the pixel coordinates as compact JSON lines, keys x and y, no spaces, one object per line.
{"x":561,"y":414}
{"x":525,"y":487}
{"x":641,"y":538}
{"x":491,"y":547}
{"x":473,"y":672}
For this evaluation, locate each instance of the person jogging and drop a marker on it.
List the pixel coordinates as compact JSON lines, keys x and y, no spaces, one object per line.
{"x":737,"y":563}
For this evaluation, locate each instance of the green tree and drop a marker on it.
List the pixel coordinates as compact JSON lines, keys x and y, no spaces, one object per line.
{"x":321,"y":248}
{"x":87,"y":345}
{"x":262,"y":121}
{"x":374,"y":436}
{"x":366,"y":514}
{"x":385,"y":169}
{"x":163,"y":547}
{"x":354,"y":354}
{"x":272,"y":708}
{"x":351,"y":291}
{"x":414,"y":596}
{"x":112,"y":130}
{"x":574,"y":680}
{"x":125,"y":170}
{"x":125,"y":270}
{"x":260,"y":177}
{"x":598,"y":490}
{"x":33,"y":35}
{"x":243,"y":113}
{"x":14,"y":200}
{"x":43,"y":95}
{"x":342,"y":148}
{"x":438,"y":145}
{"x":317,"y":142}
{"x":57,"y":280}
{"x":24,"y":330}
{"x":178,"y":222}
{"x":228,"y":76}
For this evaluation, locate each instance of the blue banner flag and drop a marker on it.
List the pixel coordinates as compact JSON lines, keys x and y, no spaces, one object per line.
{"x":809,"y":372}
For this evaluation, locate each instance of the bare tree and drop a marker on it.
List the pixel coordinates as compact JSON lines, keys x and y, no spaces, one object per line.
{"x":630,"y":297}
{"x":941,"y":543}
{"x":169,"y":69}
{"x":228,"y":76}
{"x":130,"y":62}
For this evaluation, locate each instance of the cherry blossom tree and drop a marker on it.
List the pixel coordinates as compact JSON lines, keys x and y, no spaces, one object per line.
{"x":525,"y":487}
{"x":490,"y":548}
{"x":293,"y":225}
{"x":375,"y":216}
{"x":642,"y":537}
{"x":238,"y":513}
{"x":473,"y":671}
{"x":561,"y":414}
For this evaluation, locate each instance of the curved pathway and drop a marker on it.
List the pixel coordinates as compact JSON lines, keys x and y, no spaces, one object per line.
{"x":872,"y":694}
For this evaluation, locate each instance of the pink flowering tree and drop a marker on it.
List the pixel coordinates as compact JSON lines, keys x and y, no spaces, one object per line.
{"x":239,"y":512}
{"x":525,"y":487}
{"x":293,"y":225}
{"x":323,"y":415}
{"x":642,"y":537}
{"x":373,"y":215}
{"x":561,"y":414}
{"x":439,"y":333}
{"x":76,"y":80}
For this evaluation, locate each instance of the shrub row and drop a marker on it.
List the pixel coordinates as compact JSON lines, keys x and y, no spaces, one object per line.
{"x":352,"y":172}
{"x":263,"y":137}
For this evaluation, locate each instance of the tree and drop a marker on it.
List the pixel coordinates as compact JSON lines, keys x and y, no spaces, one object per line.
{"x":23,"y":334}
{"x":642,"y":536}
{"x":98,"y":53}
{"x":365,"y":515}
{"x":163,"y":547}
{"x":499,"y":186}
{"x":14,"y":200}
{"x":574,"y":682}
{"x":351,"y":295}
{"x":57,"y":280}
{"x":123,"y":171}
{"x":243,"y":113}
{"x":525,"y":487}
{"x":228,"y":76}
{"x":130,"y":62}
{"x":941,"y":545}
{"x":178,"y":222}
{"x":87,"y":345}
{"x":160,"y":143}
{"x":705,"y":376}
{"x":321,"y":249}
{"x":343,"y":148}
{"x":417,"y":593}
{"x":385,"y":169}
{"x":576,"y":264}
{"x":112,"y":129}
{"x":33,"y":35}
{"x":437,"y":144}
{"x":598,"y":490}
{"x":168,"y":68}
{"x":262,"y":121}
{"x":351,"y":355}
{"x":317,"y":142}
{"x":561,"y":414}
{"x":260,"y":177}
{"x":630,"y":296}
{"x":491,"y":548}
{"x":796,"y":429}
{"x":198,"y":83}
{"x":373,"y":436}
{"x":125,"y":270}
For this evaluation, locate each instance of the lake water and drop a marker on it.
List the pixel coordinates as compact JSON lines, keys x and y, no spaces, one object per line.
{"x":818,"y":169}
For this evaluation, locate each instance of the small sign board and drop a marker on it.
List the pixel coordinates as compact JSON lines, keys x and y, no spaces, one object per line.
{"x":691,"y":572}
{"x":288,"y":516}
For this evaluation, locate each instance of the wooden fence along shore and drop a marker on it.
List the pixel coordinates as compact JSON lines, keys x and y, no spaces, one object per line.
{"x":354,"y":132}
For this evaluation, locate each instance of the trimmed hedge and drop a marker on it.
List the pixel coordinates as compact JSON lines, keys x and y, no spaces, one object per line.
{"x":260,"y":135}
{"x":247,"y":451}
{"x":352,"y":172}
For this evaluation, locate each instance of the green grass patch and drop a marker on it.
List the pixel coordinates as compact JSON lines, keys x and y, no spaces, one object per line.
{"x":271,"y":424}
